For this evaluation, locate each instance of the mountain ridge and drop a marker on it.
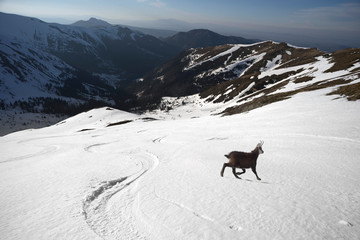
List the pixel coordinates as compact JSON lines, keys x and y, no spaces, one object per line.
{"x":203,"y":38}
{"x":73,"y":63}
{"x":92,"y":22}
{"x":64,"y":69}
{"x":89,"y":57}
{"x":241,"y":73}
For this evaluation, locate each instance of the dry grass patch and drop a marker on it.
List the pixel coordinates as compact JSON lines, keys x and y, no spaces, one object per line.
{"x":344,"y":59}
{"x":300,"y":57}
{"x":256,"y":103}
{"x":352,"y":91}
{"x":209,"y":52}
{"x":303,"y":79}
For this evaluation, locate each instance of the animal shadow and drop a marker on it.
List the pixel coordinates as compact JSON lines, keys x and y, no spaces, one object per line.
{"x":262,"y":182}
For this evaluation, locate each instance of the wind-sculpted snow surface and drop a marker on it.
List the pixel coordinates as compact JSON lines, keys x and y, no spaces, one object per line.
{"x":160,"y":179}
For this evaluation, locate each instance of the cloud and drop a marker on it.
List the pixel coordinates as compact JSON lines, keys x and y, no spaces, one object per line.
{"x":157,"y":3}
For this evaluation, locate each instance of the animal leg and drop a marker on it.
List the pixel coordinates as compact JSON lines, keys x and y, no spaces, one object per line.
{"x":254,"y":171}
{"x":239,"y":173}
{"x":234,"y":172}
{"x":223,"y":169}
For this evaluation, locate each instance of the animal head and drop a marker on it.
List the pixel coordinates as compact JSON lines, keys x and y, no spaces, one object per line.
{"x":259,"y":147}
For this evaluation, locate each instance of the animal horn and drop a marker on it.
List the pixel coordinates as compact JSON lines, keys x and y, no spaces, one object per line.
{"x":261,"y":142}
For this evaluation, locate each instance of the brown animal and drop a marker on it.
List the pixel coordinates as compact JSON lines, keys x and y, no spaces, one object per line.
{"x":243,"y":160}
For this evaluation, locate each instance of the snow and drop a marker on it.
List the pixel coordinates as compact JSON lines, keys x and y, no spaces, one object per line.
{"x":160,"y":179}
{"x":48,"y":69}
{"x":280,"y":71}
{"x":234,"y":47}
{"x":33,"y":31}
{"x":244,"y":64}
{"x":293,"y":46}
{"x":317,"y":71}
{"x":133,"y":35}
{"x":238,"y":66}
{"x":272,"y":64}
{"x":246,"y":89}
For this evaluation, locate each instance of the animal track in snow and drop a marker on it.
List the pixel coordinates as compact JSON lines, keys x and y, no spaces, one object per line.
{"x":46,"y":150}
{"x":158,"y":140}
{"x":218,"y":138}
{"x":235,"y":227}
{"x":345,"y":223}
{"x":199,"y":215}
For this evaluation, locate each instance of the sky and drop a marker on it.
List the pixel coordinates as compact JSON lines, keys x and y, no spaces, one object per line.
{"x":333,"y":21}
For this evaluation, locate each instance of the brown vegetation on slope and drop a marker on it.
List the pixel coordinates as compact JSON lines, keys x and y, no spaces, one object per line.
{"x":344,"y":59}
{"x":352,"y":91}
{"x":275,"y":97}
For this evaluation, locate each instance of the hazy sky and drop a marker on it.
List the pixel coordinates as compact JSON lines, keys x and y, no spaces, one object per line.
{"x":336,"y":19}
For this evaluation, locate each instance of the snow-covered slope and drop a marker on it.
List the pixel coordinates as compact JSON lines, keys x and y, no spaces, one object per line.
{"x":251,"y":74}
{"x":86,"y":60}
{"x":48,"y":68}
{"x":92,"y":45}
{"x":26,"y":72}
{"x":108,"y":174}
{"x":200,"y":69}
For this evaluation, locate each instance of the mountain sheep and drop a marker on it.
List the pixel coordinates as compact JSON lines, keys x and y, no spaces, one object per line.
{"x":243,"y":160}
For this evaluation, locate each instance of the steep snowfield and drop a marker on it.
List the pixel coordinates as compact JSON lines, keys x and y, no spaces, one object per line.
{"x":160,"y":179}
{"x":36,"y":72}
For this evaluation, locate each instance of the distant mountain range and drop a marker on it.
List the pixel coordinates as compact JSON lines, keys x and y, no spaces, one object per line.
{"x":87,"y":60}
{"x":75,"y":63}
{"x":54,"y":68}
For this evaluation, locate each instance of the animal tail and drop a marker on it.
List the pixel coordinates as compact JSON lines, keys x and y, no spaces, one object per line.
{"x":227,"y":156}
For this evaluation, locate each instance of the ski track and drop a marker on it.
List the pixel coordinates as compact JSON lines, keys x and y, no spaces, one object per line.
{"x":42,"y":138}
{"x":46,"y":150}
{"x":88,"y":148}
{"x":97,"y":205}
{"x":330,"y":138}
